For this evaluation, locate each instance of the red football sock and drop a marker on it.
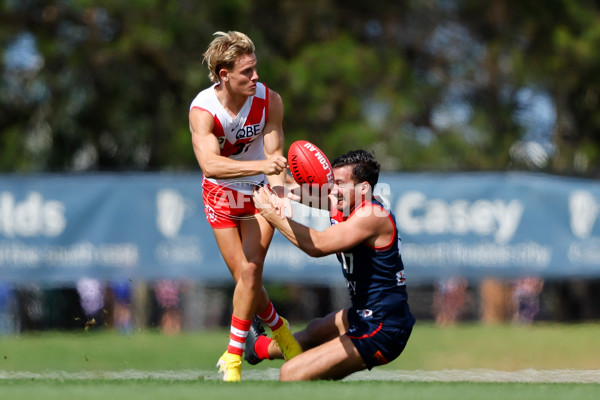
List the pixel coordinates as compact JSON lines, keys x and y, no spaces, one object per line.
{"x":237,"y":337}
{"x":261,"y":347}
{"x":271,"y":318}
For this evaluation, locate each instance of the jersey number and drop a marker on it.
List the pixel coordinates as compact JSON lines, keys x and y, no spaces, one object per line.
{"x":241,"y":147}
{"x":348,"y":263}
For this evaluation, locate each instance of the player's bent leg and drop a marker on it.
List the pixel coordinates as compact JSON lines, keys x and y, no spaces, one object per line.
{"x":321,"y":330}
{"x":318,"y":331}
{"x":335,"y":359}
{"x":259,"y":233}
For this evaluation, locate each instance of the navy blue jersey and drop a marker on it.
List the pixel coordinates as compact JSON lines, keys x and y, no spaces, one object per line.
{"x":375,"y":277}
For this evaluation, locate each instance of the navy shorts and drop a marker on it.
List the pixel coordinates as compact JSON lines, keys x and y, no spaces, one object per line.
{"x":377,"y":342}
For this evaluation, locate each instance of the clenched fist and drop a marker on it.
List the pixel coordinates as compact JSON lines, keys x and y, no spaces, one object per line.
{"x":274,"y":165}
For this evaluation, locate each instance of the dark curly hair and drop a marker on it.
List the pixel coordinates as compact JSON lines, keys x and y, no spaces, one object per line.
{"x":366,"y":168}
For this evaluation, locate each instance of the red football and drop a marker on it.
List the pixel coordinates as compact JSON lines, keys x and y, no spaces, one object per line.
{"x":309,"y":164}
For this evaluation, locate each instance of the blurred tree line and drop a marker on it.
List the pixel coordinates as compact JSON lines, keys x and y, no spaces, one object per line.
{"x":445,"y":85}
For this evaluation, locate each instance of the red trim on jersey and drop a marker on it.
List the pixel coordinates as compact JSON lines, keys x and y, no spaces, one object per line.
{"x":267,"y":103}
{"x":339,"y":217}
{"x":202,"y":109}
{"x":229,"y":149}
{"x":256,"y":111}
{"x":387,"y":246}
{"x":218,"y":128}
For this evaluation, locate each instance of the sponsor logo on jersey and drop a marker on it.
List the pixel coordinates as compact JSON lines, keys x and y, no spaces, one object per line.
{"x":400,"y":278}
{"x":249,"y":131}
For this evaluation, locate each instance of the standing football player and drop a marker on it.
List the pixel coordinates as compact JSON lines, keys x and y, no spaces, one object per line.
{"x":237,"y":136}
{"x":375,"y":328}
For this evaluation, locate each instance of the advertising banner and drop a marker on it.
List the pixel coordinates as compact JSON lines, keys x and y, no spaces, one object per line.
{"x":60,"y":228}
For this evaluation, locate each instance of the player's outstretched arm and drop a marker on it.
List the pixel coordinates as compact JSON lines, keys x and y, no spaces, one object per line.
{"x":342,"y":236}
{"x":208,"y":154}
{"x":273,"y":147}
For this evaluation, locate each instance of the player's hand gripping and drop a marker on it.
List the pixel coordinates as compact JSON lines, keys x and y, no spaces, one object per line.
{"x":282,"y":204}
{"x":274,"y":165}
{"x":311,"y":195}
{"x":269,"y":203}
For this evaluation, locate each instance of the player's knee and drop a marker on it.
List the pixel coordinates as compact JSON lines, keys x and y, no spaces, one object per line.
{"x":311,"y":335}
{"x":289,"y":372}
{"x":252,"y":275}
{"x":252,"y":268}
{"x":320,"y":330}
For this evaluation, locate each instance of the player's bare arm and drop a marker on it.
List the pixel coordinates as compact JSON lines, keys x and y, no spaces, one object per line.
{"x":273,"y":148}
{"x":273,"y":144}
{"x":365,"y":225}
{"x":207,"y":151}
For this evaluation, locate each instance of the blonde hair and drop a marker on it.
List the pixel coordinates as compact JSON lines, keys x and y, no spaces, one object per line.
{"x":224,"y":50}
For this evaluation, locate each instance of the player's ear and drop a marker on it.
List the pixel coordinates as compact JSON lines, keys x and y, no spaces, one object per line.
{"x":364,"y":187}
{"x":223,"y":74}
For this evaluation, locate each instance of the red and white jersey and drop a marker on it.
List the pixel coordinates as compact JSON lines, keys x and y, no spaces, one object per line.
{"x":240,"y":137}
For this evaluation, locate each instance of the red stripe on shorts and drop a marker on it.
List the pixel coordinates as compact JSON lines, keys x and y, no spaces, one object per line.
{"x":368,"y":335}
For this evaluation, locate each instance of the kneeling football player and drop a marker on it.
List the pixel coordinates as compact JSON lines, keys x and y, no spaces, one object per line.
{"x":363,"y":234}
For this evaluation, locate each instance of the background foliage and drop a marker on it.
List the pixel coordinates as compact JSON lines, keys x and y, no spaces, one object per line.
{"x":447,"y":85}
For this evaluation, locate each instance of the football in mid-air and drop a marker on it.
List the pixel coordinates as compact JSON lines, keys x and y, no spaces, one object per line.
{"x":309,"y":165}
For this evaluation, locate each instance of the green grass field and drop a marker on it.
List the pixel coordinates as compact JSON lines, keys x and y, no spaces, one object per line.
{"x":462,"y":362}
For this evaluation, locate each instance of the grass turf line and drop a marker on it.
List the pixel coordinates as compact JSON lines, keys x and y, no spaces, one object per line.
{"x":254,"y":390}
